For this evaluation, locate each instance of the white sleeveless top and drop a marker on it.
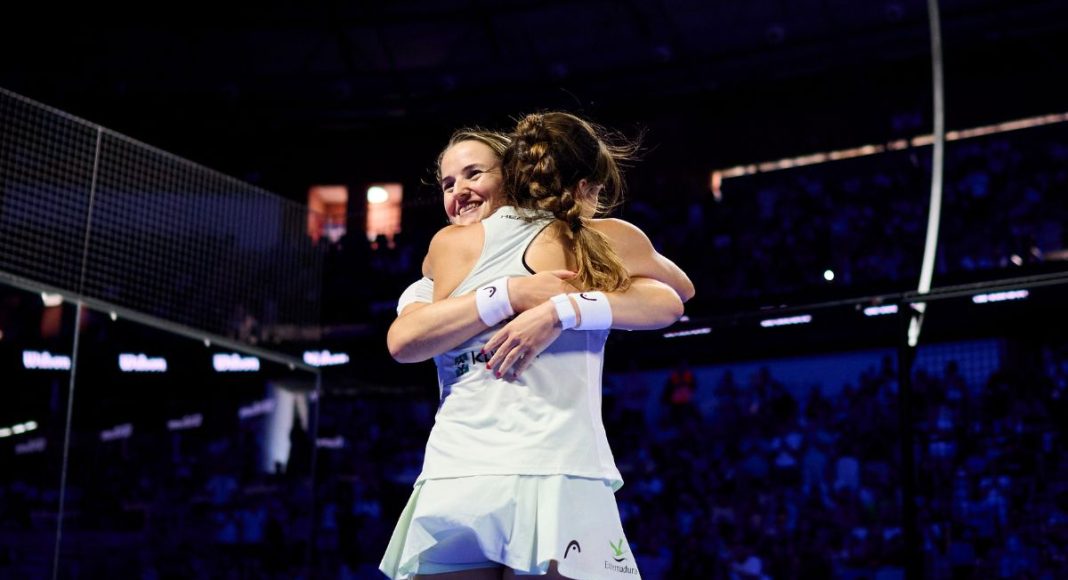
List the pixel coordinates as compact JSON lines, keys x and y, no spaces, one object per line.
{"x":547,"y":422}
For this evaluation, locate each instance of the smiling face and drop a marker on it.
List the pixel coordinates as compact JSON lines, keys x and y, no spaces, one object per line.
{"x":470,"y":181}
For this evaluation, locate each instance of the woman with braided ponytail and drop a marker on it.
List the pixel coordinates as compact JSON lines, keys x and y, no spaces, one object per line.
{"x":564,"y":165}
{"x":518,"y":477}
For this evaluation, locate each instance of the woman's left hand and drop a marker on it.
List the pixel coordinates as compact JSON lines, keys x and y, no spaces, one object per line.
{"x":521,"y":340}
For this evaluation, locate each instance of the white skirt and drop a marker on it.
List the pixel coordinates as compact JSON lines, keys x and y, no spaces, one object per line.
{"x":519,"y":521}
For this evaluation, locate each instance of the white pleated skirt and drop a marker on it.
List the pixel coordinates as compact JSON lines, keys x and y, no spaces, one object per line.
{"x":522,"y":522}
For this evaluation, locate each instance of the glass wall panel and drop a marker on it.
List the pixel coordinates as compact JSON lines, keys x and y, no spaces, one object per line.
{"x":186,"y":460}
{"x":36,"y":348}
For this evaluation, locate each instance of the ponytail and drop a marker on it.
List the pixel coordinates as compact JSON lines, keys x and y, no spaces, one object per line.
{"x":549,"y":155}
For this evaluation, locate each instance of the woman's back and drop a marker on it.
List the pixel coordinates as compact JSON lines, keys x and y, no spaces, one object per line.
{"x":548,"y":421}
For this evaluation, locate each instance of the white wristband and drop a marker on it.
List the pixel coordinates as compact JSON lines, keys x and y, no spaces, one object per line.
{"x":595,"y":313}
{"x":565,"y":311}
{"x":493,"y":302}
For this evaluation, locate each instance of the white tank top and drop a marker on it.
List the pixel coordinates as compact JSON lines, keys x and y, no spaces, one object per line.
{"x":546,"y":423}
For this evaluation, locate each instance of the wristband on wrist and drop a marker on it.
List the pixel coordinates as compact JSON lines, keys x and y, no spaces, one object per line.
{"x":493,"y":303}
{"x":565,"y":311}
{"x":594,"y":311}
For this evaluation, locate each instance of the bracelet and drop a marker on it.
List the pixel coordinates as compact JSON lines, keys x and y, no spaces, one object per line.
{"x":565,"y":311}
{"x":595,"y":313}
{"x":493,"y":302}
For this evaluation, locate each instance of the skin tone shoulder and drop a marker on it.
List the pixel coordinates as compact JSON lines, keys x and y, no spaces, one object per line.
{"x":471,"y":182}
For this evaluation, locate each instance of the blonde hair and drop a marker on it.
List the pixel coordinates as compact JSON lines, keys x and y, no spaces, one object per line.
{"x":549,"y":155}
{"x":498,"y":142}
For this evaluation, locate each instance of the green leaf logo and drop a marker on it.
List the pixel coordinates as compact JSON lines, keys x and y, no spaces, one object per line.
{"x":618,"y":549}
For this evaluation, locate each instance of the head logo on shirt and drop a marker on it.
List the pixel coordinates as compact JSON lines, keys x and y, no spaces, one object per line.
{"x":572,"y":544}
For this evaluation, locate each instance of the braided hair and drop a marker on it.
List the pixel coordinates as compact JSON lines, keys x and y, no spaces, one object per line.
{"x":549,"y":155}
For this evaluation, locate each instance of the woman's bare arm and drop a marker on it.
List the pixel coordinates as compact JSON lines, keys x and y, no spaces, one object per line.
{"x":424,"y":330}
{"x":648,"y":304}
{"x":641,"y":258}
{"x":421,"y":333}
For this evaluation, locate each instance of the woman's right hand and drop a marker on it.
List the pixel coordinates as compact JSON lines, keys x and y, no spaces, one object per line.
{"x":518,"y":343}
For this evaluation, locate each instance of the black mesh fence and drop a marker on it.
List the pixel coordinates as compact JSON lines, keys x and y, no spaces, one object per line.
{"x":86,"y":211}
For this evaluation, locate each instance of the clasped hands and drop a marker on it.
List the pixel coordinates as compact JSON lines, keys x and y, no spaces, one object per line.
{"x":522,"y":339}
